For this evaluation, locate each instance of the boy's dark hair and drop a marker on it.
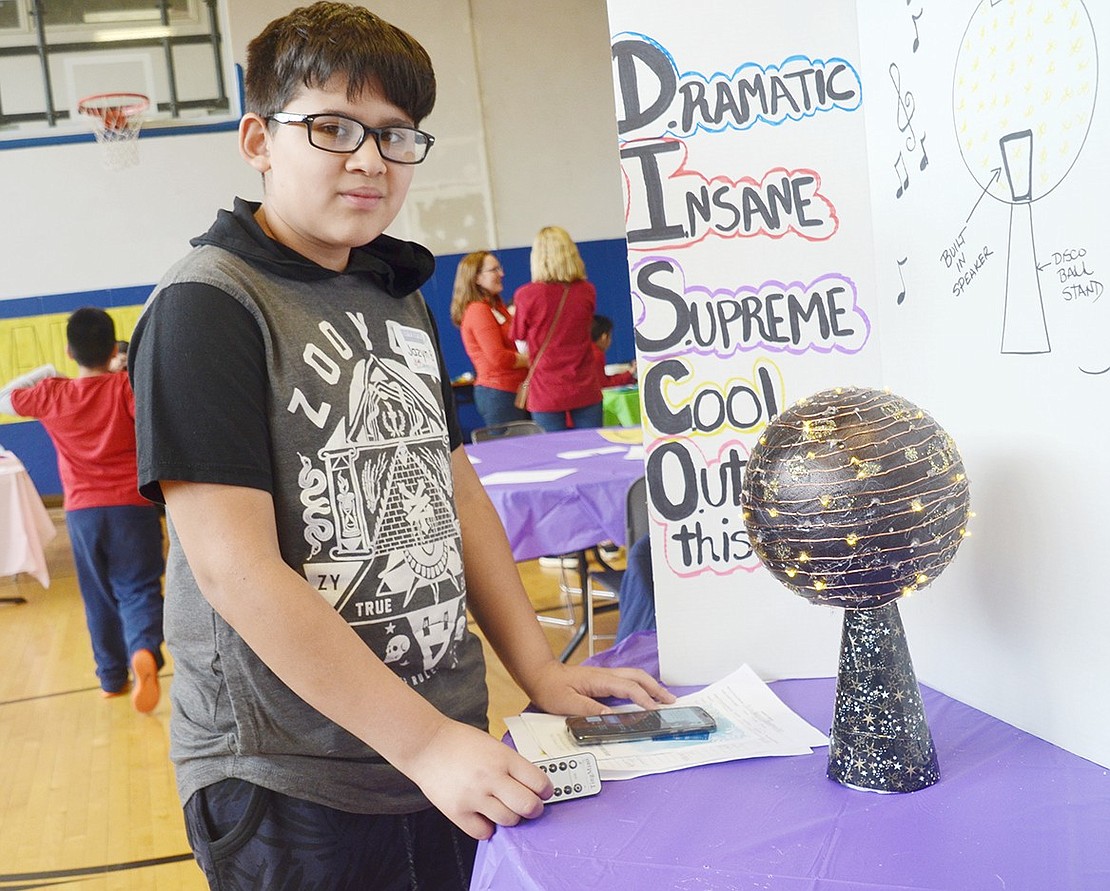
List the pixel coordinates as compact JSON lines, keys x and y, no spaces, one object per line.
{"x":313,"y":44}
{"x":602,"y":325}
{"x":91,"y":335}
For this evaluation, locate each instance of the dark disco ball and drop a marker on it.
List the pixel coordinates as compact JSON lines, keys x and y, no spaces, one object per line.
{"x":855,"y":497}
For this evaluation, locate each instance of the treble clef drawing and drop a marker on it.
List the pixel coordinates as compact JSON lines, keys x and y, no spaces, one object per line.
{"x":903,"y":118}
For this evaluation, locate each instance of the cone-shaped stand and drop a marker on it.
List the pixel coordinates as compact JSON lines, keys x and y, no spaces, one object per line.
{"x":880,"y":740}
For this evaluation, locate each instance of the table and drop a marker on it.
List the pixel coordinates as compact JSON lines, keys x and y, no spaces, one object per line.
{"x":26,"y":526}
{"x":572,"y":513}
{"x":576,"y":511}
{"x":1010,"y":811}
{"x":620,"y":406}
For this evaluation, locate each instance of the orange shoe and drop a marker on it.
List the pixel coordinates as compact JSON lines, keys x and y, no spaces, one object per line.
{"x":112,"y":694}
{"x":145,"y":693}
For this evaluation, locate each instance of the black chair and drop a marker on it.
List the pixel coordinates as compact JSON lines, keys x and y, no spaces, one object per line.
{"x":605,"y":583}
{"x":509,"y":428}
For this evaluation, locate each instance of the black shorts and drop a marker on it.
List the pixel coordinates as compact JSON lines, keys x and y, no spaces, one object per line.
{"x":247,"y":837}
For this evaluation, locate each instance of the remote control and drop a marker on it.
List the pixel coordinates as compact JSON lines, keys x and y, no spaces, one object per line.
{"x":573,"y":776}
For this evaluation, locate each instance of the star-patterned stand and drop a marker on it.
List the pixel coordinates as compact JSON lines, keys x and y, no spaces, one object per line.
{"x":880,"y":740}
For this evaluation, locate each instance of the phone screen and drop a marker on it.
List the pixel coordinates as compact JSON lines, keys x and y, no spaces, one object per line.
{"x":664,"y":723}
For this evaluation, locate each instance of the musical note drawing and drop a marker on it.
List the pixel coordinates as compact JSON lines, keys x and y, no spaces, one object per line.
{"x":903,"y":176}
{"x":901,"y":294}
{"x":916,"y":33}
{"x":903,"y":119}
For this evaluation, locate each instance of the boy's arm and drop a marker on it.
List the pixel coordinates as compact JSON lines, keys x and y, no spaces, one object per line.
{"x":501,"y":607}
{"x":28,"y":380}
{"x":229,"y":536}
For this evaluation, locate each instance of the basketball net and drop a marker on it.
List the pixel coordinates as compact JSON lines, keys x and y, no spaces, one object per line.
{"x":116,"y":119}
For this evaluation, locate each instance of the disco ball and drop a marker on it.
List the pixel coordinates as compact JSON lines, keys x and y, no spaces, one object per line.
{"x":855,"y":497}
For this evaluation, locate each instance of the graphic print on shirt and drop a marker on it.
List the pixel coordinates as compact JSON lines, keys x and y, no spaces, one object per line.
{"x":384,"y":545}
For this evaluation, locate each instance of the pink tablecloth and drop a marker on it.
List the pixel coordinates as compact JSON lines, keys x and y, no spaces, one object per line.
{"x":25,"y":526}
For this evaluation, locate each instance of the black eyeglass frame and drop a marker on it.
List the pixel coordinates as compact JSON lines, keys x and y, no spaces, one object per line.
{"x":287,"y":117}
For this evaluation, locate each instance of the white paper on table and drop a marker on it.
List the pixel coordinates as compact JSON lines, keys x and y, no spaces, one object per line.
{"x":502,"y":477}
{"x":589,"y":453}
{"x":635,"y":453}
{"x":751,"y":723}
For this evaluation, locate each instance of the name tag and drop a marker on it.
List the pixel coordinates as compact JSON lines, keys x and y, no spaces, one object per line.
{"x":416,"y":348}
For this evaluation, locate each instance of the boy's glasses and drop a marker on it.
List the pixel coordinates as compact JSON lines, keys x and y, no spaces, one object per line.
{"x":343,"y":135}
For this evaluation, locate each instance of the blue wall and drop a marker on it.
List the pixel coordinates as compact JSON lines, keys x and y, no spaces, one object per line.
{"x":606,"y":263}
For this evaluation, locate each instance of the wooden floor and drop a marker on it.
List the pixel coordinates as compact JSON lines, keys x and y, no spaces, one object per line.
{"x":87,"y":797}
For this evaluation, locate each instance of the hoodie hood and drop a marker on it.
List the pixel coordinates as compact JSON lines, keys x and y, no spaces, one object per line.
{"x":398,"y":267}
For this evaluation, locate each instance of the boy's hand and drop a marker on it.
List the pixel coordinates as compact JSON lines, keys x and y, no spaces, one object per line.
{"x":476,"y":781}
{"x":560,"y":689}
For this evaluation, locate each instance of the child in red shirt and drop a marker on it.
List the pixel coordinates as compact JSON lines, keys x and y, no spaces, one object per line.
{"x":601,"y":333}
{"x":116,"y":534}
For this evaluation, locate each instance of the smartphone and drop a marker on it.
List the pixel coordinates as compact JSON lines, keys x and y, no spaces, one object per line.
{"x":663,"y":723}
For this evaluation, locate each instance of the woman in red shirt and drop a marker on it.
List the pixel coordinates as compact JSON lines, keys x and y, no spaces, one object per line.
{"x":484,"y":322}
{"x":563,"y":377}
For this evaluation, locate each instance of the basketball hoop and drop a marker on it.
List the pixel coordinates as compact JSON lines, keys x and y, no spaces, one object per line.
{"x":116,"y":119}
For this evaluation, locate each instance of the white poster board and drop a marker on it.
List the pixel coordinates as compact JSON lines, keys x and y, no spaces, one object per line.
{"x":752,"y":274}
{"x":966,"y":178}
{"x":1003,"y":333}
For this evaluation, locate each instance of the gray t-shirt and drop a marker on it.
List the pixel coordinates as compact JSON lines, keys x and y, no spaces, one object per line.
{"x":254,"y":367}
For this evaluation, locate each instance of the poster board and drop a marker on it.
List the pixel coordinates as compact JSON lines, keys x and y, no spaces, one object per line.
{"x":966,"y":179}
{"x":752,"y":279}
{"x":1003,"y":332}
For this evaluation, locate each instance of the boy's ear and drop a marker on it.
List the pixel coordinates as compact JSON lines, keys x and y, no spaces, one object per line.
{"x":254,"y":141}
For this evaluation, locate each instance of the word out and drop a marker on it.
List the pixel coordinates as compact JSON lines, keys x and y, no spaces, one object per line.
{"x":700,"y":503}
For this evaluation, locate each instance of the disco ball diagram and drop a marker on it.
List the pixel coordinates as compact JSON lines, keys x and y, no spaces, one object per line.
{"x":855,"y":497}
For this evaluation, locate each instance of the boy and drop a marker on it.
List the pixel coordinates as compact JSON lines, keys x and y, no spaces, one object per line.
{"x":328,"y":532}
{"x":116,"y":534}
{"x":601,"y":333}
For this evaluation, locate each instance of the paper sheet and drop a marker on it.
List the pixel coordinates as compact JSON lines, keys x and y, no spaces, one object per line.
{"x":751,"y":723}
{"x":507,"y":477}
{"x":574,"y":455}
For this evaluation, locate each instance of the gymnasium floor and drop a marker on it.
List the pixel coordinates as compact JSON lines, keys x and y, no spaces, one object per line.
{"x":87,"y":798}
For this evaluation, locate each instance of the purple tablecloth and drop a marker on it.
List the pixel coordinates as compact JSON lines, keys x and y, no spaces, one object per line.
{"x":573,"y":512}
{"x":1010,"y":812}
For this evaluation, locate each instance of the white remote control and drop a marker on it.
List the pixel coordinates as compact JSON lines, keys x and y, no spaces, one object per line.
{"x":573,"y":776}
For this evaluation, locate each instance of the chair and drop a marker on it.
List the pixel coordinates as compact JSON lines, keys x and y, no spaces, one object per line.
{"x":508,"y":428}
{"x":605,"y":583}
